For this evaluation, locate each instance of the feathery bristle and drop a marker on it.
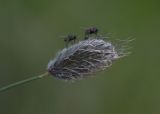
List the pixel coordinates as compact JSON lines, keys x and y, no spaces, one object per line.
{"x":83,"y":59}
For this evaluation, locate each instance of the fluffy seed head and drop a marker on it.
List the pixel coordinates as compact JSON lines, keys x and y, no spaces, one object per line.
{"x":84,"y":58}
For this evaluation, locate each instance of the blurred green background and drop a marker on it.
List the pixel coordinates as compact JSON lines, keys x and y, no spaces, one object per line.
{"x":30,"y":35}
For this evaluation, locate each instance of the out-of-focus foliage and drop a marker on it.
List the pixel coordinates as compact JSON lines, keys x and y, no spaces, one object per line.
{"x":31,"y":33}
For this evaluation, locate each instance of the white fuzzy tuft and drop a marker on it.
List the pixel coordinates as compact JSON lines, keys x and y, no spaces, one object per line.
{"x":83,"y":59}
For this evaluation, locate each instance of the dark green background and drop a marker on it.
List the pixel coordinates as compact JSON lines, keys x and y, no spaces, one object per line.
{"x":30,"y":35}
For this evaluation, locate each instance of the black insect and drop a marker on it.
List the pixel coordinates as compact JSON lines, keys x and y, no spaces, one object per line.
{"x":90,"y":31}
{"x":71,"y":38}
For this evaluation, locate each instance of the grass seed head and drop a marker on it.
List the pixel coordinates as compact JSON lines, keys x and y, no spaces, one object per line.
{"x":84,"y":58}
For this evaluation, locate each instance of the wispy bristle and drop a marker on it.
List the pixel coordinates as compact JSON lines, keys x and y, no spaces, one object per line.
{"x":122,"y":47}
{"x":84,"y":58}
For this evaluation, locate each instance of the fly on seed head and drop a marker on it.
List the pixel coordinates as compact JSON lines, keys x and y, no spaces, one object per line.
{"x":86,"y":57}
{"x":90,"y":31}
{"x":70,"y":39}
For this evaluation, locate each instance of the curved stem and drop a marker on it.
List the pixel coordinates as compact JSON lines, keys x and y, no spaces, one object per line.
{"x":23,"y":82}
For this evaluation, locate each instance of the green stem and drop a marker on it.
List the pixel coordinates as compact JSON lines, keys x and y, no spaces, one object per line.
{"x":23,"y":82}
